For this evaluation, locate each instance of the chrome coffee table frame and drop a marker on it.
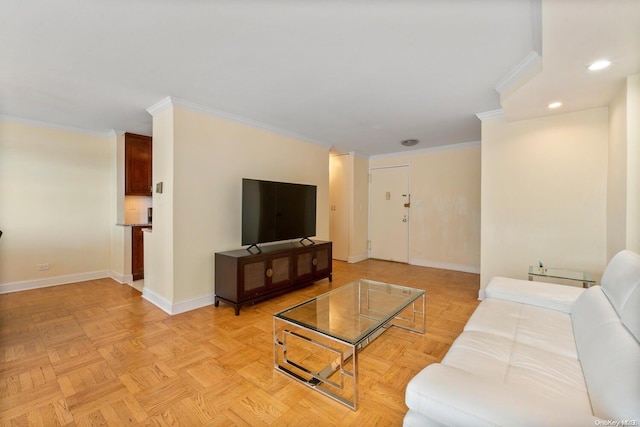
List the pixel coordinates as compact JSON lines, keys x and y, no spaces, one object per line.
{"x":317,"y":342}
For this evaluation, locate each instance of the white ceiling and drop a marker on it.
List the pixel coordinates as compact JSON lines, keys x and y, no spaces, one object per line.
{"x":353,"y":74}
{"x":575,"y":34}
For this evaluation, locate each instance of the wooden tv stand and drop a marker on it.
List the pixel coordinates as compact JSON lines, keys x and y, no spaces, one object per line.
{"x":243,"y":277}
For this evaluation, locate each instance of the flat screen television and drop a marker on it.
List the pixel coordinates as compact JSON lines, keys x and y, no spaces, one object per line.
{"x":274,"y":211}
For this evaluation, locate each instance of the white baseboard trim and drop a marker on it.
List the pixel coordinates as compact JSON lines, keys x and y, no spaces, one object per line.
{"x":122,"y":279}
{"x":138,"y":285}
{"x":357,"y":258}
{"x":193,"y":304}
{"x":481,"y":294}
{"x":181,"y":307}
{"x":446,"y":265}
{"x":26,"y":285}
{"x":156,"y":300}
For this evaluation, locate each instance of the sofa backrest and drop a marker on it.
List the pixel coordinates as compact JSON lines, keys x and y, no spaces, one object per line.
{"x":621,"y":285}
{"x":606,"y":332}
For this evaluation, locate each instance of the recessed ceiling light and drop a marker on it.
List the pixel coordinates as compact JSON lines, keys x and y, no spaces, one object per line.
{"x":409,"y":142}
{"x":555,"y":104}
{"x":600,"y":65}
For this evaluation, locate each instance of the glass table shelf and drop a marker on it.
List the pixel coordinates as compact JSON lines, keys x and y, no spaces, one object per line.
{"x":560,"y":273}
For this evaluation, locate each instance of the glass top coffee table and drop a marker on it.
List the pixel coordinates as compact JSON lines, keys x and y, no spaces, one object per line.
{"x":317,"y":342}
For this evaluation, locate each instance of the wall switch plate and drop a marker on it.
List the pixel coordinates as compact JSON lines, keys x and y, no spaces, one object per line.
{"x":41,"y":267}
{"x":159,"y":187}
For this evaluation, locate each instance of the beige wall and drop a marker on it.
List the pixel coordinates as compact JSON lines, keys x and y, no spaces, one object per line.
{"x":445,"y":205}
{"x":56,"y":205}
{"x":350,"y":172}
{"x":203,"y":189}
{"x":633,"y":163}
{"x":623,"y":180}
{"x":158,"y":246}
{"x":617,"y":175}
{"x":341,"y":202}
{"x":544,"y":193}
{"x":120,"y":236}
{"x":359,"y":232}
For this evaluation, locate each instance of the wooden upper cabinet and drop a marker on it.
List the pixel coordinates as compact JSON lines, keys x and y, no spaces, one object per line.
{"x":137,"y":165}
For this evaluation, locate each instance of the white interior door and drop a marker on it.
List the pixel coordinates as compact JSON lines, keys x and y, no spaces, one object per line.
{"x":338,"y":201}
{"x":389,"y":213}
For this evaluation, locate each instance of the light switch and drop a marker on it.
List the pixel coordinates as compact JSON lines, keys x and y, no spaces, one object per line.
{"x":388,"y":195}
{"x":159,"y":187}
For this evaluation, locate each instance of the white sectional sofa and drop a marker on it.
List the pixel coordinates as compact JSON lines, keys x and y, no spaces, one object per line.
{"x":541,"y":354}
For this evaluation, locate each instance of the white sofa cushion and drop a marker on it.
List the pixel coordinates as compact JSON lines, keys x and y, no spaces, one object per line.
{"x":526,"y":324}
{"x":541,"y":294}
{"x":525,"y":346}
{"x":444,"y":395}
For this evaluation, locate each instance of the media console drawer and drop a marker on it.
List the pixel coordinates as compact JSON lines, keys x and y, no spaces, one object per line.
{"x":242,"y":277}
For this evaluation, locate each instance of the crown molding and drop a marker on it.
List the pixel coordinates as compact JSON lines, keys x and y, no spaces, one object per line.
{"x":536,"y":25}
{"x":160,"y":106}
{"x":531,"y":62}
{"x":427,"y":150}
{"x":170,"y":101}
{"x":110,"y":133}
{"x":490,"y":114}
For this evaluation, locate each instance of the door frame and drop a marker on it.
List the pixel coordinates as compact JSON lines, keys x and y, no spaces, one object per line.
{"x":400,"y":165}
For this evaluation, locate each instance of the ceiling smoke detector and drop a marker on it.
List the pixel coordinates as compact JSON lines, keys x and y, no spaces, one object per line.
{"x":409,"y":142}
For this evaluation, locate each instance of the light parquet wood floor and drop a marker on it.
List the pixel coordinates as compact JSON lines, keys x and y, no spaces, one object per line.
{"x":96,"y":353}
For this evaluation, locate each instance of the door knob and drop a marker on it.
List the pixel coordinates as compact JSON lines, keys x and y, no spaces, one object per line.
{"x":404,"y":219}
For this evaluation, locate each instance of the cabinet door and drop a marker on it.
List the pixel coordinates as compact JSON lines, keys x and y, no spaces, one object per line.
{"x":253,"y":277}
{"x":137,"y":161}
{"x":137,"y":253}
{"x":280,"y":270}
{"x":322,"y":260}
{"x":304,"y":265}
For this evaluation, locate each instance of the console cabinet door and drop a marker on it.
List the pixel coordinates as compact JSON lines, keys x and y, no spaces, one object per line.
{"x":322,"y":260}
{"x":304,"y":265}
{"x":253,"y":277}
{"x":280,"y":270}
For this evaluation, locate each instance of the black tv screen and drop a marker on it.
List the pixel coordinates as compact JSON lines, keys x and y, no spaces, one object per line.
{"x":273,"y":211}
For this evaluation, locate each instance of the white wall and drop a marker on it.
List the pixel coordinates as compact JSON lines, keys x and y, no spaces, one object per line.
{"x":445,"y":205}
{"x":203,"y":188}
{"x":55,"y":205}
{"x":544,"y":186}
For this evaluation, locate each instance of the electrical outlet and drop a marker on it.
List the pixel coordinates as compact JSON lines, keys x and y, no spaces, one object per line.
{"x":44,"y":266}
